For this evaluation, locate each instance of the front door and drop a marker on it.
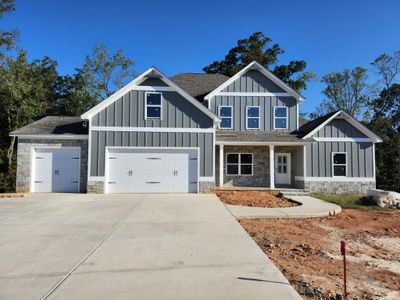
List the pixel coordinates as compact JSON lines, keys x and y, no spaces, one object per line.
{"x":282,"y":168}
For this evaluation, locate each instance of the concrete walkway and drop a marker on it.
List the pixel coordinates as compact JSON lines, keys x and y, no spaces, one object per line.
{"x":71,"y":246}
{"x":310,"y":207}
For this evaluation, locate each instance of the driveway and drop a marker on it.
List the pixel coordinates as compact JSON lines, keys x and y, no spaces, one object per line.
{"x":71,"y":246}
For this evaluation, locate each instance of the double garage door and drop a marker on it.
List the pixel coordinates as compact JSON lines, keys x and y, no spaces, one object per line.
{"x":55,"y":170}
{"x":131,"y":170}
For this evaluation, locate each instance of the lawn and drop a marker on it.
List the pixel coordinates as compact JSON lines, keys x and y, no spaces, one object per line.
{"x":350,"y":200}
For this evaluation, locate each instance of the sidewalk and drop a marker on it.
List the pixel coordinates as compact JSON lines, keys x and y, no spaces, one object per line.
{"x":310,"y":207}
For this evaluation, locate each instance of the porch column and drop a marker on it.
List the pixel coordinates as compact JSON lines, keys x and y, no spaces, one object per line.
{"x":271,"y":166}
{"x":221,"y":165}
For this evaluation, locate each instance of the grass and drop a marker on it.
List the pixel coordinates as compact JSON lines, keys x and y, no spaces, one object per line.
{"x":351,"y":200}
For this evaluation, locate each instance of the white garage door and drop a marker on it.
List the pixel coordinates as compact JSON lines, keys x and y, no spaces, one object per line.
{"x":55,"y":170}
{"x":133,"y":171}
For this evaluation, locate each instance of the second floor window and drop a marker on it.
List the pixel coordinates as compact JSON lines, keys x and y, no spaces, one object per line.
{"x":252,"y":117}
{"x":280,"y":117}
{"x":153,"y":105}
{"x":225,"y":113}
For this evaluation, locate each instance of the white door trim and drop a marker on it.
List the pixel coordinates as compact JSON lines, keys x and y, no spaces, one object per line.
{"x":50,"y":147}
{"x":107,"y":153}
{"x":289,"y":167}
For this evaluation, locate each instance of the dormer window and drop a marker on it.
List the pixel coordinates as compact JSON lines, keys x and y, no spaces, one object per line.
{"x":280,"y":117}
{"x":153,"y":105}
{"x":252,"y":117}
{"x":225,"y":113}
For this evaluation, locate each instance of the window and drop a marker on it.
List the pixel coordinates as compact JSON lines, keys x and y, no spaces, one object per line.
{"x":252,"y":117}
{"x":225,"y":113}
{"x":339,"y":164}
{"x":239,"y":164}
{"x":280,"y":117}
{"x":153,"y":105}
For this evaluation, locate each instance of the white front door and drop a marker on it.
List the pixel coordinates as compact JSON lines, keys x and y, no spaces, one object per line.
{"x":282,"y":168}
{"x":55,"y":170}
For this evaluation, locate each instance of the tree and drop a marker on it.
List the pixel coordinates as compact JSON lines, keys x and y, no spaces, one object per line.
{"x":7,"y":37}
{"x":346,"y":90}
{"x":26,"y":91}
{"x":256,"y":48}
{"x":104,"y":73}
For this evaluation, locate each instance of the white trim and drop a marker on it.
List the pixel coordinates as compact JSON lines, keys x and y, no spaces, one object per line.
{"x":352,"y":121}
{"x":304,"y":160}
{"x":214,"y":151}
{"x":289,"y":163}
{"x":247,"y":117}
{"x":244,"y":143}
{"x":255,"y":65}
{"x":239,"y":164}
{"x":96,"y":178}
{"x":333,"y":179}
{"x":297,"y":115}
{"x":221,"y":165}
{"x":286,"y":118}
{"x":50,"y":147}
{"x":333,"y":164}
{"x":108,"y":148}
{"x":221,"y":117}
{"x":135,"y":83}
{"x":271,"y":166}
{"x":52,"y":136}
{"x":343,"y":139}
{"x":207,"y":178}
{"x":152,"y":105}
{"x":373,"y":161}
{"x":154,"y":88}
{"x":152,"y":129}
{"x":253,"y":94}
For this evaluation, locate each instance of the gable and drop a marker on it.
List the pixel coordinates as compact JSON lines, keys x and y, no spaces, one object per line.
{"x":339,"y":128}
{"x":253,"y":81}
{"x":152,"y":82}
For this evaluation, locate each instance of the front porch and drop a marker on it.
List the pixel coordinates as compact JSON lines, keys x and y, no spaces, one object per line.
{"x":268,"y":166}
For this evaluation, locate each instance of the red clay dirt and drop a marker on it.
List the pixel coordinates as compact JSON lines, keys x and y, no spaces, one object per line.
{"x":307,"y":251}
{"x":253,"y":198}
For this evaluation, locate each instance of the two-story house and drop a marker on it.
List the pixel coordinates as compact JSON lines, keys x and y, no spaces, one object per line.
{"x":192,"y":133}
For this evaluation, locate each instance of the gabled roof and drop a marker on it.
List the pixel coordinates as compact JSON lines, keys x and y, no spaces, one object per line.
{"x":152,"y":72}
{"x":199,"y":84}
{"x":52,"y":125}
{"x":312,"y":127}
{"x":256,"y":66}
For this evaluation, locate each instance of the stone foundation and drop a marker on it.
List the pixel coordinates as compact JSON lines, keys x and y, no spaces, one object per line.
{"x":95,"y":187}
{"x":24,"y":163}
{"x":336,"y":187}
{"x":206,"y":187}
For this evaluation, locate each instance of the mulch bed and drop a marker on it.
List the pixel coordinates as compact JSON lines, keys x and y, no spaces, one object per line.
{"x":12,"y":195}
{"x":253,"y":198}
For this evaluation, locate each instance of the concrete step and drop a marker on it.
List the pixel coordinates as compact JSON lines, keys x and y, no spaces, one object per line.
{"x":294,"y":192}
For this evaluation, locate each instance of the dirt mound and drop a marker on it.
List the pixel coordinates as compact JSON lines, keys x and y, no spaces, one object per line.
{"x":253,"y":198}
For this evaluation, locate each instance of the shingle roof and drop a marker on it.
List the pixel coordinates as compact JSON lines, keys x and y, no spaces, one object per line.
{"x":54,"y":125}
{"x":199,"y":84}
{"x":311,"y":125}
{"x":258,"y":136}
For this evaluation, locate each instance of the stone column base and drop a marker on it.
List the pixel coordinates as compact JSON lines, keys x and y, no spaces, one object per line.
{"x":206,"y":187}
{"x":95,"y":187}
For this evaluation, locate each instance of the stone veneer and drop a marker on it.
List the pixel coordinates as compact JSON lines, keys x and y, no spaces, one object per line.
{"x":24,"y":163}
{"x":206,"y":187}
{"x":95,"y":187}
{"x":336,"y":187}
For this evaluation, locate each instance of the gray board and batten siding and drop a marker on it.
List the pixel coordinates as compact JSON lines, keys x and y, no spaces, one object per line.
{"x":129,"y":111}
{"x":359,"y":154}
{"x":255,"y":82}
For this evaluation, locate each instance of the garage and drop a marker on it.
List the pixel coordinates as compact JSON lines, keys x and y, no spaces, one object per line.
{"x":55,"y":170}
{"x":151,"y":170}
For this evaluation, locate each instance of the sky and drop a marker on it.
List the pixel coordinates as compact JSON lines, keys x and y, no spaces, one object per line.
{"x":185,"y":36}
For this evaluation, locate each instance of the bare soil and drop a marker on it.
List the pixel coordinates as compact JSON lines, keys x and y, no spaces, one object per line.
{"x":253,"y":198}
{"x":307,"y":251}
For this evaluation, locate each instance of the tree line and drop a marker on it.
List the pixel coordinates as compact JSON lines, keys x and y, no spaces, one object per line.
{"x":30,"y":90}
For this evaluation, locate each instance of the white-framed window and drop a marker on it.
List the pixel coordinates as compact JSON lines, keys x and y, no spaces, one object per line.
{"x":153,"y":105}
{"x":252,"y":117}
{"x":280,"y":117}
{"x":339,"y":164}
{"x":226,"y":115}
{"x":239,"y":164}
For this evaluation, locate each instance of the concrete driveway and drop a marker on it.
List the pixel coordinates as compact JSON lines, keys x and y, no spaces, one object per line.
{"x":71,"y":246}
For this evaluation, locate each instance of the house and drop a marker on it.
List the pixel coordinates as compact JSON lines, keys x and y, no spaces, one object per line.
{"x":192,"y":133}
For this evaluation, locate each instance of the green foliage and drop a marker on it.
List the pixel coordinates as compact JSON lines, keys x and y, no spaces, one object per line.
{"x":350,"y":200}
{"x":346,"y":90}
{"x":7,"y":37}
{"x":103,"y":73}
{"x":256,"y":48}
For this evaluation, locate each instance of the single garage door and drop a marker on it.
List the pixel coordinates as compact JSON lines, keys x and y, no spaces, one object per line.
{"x":151,"y":171}
{"x":56,"y":170}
